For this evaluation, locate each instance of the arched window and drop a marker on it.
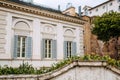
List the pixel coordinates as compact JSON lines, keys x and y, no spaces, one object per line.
{"x":22,"y":40}
{"x":69,"y":44}
{"x":49,"y":42}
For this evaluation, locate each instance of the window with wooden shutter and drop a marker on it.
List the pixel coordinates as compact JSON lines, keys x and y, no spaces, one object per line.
{"x":22,"y":47}
{"x":69,"y":49}
{"x":22,"y":41}
{"x":49,"y":47}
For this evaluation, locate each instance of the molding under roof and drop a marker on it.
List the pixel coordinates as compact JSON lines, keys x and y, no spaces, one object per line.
{"x":39,"y":11}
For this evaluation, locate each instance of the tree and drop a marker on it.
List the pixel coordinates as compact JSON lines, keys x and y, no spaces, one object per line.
{"x":107,"y":26}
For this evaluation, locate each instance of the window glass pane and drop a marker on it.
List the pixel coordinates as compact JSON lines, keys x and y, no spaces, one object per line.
{"x":18,"y":54}
{"x":18,"y":48}
{"x":49,"y":55}
{"x":69,"y":48}
{"x":45,"y":55}
{"x":23,"y":46}
{"x":48,"y":48}
{"x":23,"y":54}
{"x":23,"y":50}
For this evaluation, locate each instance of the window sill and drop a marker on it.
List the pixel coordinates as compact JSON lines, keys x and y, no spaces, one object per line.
{"x":48,"y":59}
{"x":22,"y":59}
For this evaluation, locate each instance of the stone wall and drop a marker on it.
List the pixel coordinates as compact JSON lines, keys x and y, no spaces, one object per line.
{"x":94,"y":46}
{"x":74,"y":71}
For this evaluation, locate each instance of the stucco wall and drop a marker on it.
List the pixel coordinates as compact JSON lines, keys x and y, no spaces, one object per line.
{"x":105,"y":8}
{"x":37,"y":31}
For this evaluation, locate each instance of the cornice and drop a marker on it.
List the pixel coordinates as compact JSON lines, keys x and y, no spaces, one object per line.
{"x":40,"y":12}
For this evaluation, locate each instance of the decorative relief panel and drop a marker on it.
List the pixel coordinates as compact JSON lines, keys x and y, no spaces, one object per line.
{"x":21,"y":27}
{"x":48,"y":31}
{"x":22,"y":32}
{"x":69,"y":34}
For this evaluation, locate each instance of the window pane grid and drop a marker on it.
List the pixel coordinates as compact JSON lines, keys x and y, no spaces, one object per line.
{"x":48,"y":48}
{"x":21,"y":47}
{"x":69,"y":48}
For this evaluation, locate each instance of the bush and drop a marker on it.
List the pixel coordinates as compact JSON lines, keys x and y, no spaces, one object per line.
{"x":25,"y":68}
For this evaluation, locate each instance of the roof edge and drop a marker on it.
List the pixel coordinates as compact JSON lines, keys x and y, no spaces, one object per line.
{"x":37,"y":11}
{"x":101,"y":4}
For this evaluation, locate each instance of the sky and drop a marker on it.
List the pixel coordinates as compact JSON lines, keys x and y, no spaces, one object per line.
{"x":63,"y":3}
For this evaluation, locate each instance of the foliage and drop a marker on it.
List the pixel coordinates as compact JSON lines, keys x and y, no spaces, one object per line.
{"x":25,"y":68}
{"x":107,"y":26}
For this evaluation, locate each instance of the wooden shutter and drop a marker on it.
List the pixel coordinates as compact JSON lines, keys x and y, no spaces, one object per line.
{"x":43,"y":49}
{"x":65,"y":49}
{"x":74,"y":48}
{"x":15,"y":46}
{"x":54,"y":49}
{"x":28,"y":47}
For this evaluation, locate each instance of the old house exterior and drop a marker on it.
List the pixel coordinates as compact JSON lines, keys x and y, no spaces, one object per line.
{"x":98,"y":10}
{"x":96,"y":46}
{"x":37,"y":35}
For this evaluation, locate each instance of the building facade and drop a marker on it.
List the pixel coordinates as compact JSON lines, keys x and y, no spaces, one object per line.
{"x":37,"y":35}
{"x":92,"y":44}
{"x":110,"y":5}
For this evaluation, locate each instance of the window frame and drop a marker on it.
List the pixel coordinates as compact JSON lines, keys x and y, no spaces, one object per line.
{"x":20,"y":47}
{"x":48,"y":49}
{"x":69,"y":49}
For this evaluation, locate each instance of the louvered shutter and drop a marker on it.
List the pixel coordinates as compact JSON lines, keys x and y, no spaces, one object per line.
{"x":28,"y":47}
{"x":65,"y":49}
{"x":74,"y":48}
{"x":15,"y":46}
{"x":54,"y":49}
{"x":43,"y":49}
